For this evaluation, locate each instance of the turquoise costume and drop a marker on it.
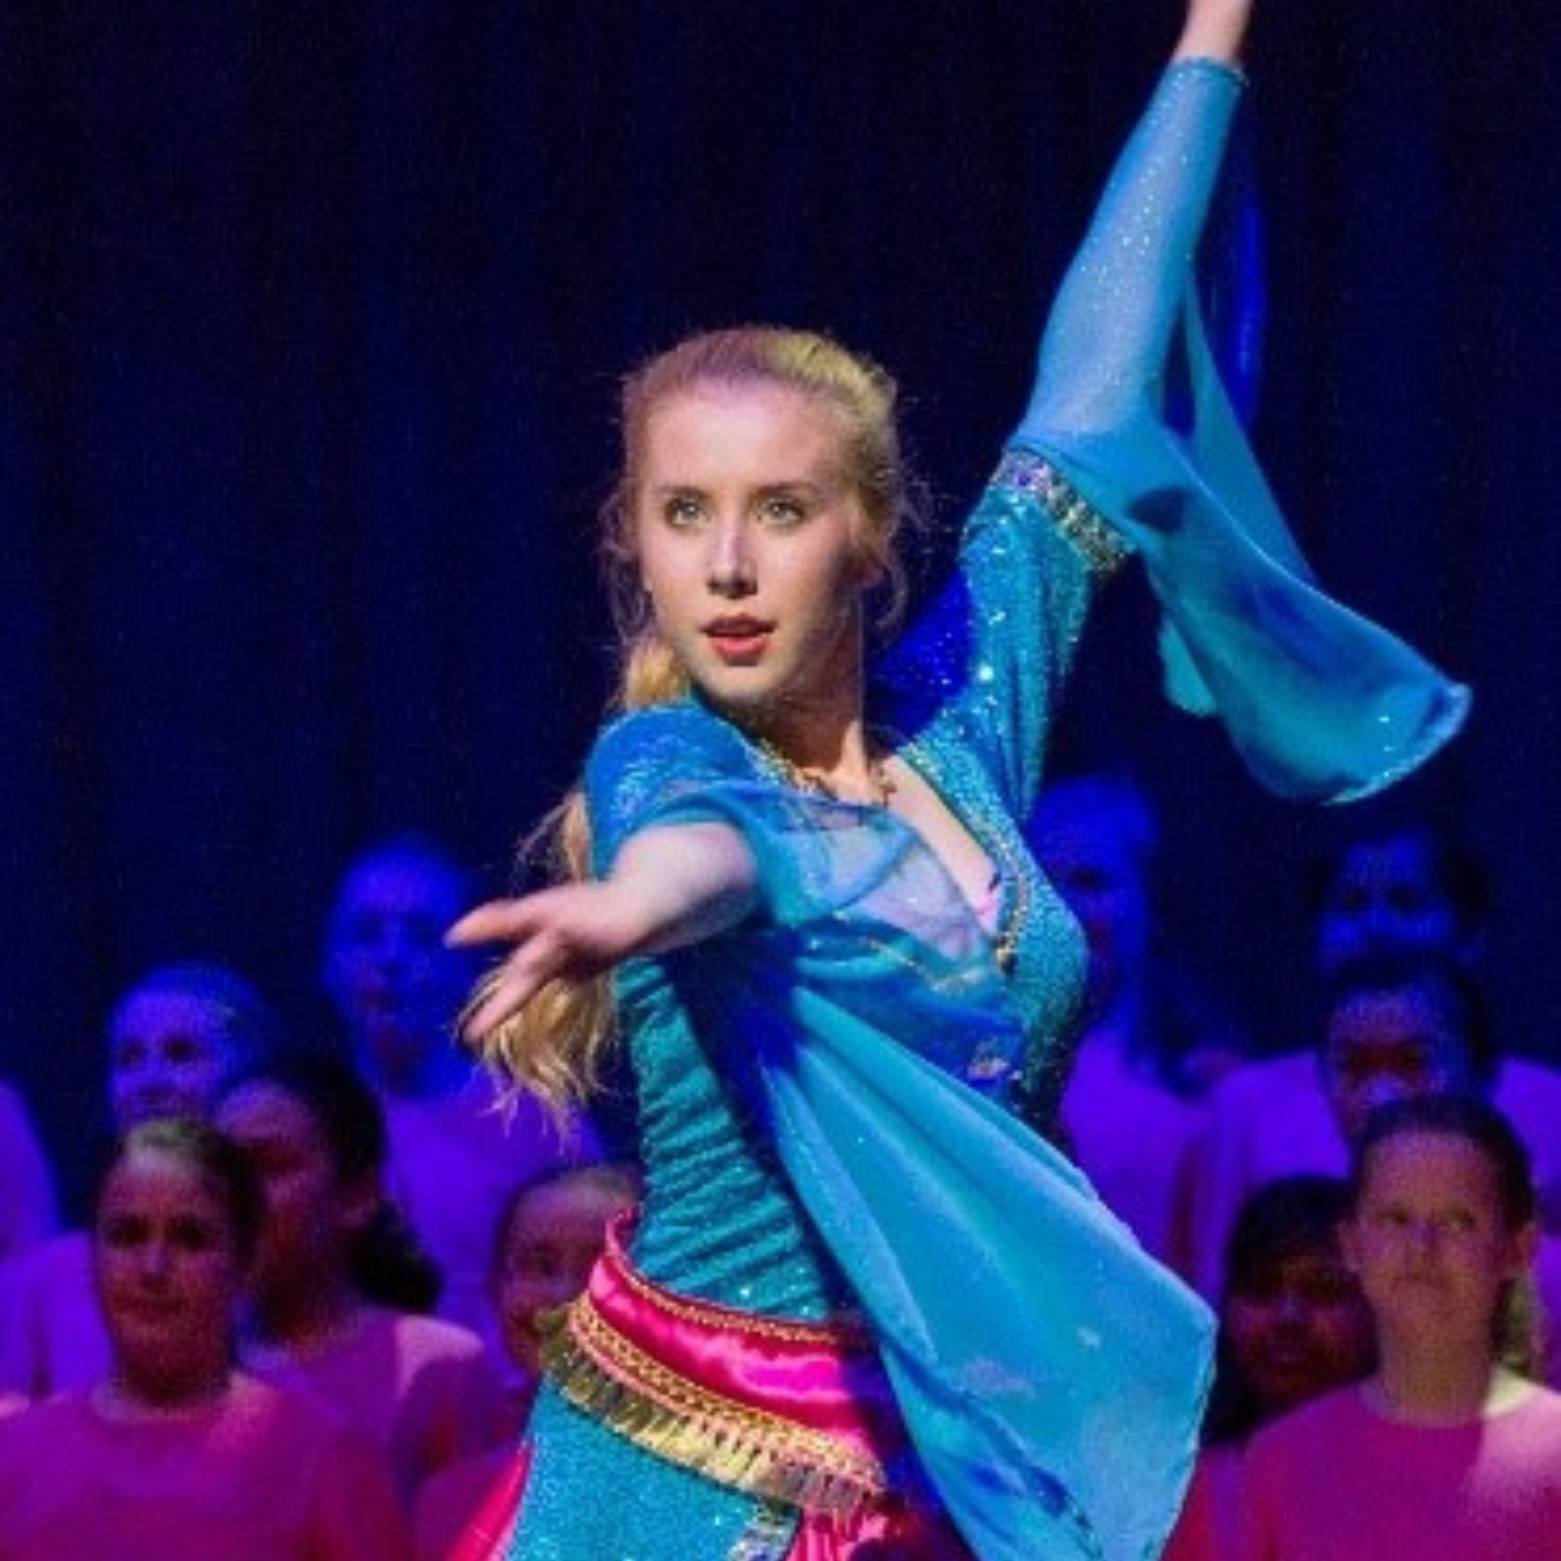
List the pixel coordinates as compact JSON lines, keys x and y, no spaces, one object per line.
{"x":826,"y":1091}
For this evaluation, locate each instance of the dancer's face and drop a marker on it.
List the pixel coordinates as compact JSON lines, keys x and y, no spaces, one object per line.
{"x":168,"y":1272}
{"x":748,"y":534}
{"x":1430,"y":1242}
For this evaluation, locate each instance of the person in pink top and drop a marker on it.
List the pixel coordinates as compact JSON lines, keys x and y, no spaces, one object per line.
{"x":1448,"y":1451}
{"x":26,"y":1183}
{"x":340,"y":1285}
{"x":171,"y":1040}
{"x":1153,"y":1039}
{"x":1394,"y":1024}
{"x":1396,"y":893}
{"x":174,"y":1454}
{"x":27,"y":1216}
{"x":1293,"y":1325}
{"x":550,"y":1237}
{"x":454,"y":1160}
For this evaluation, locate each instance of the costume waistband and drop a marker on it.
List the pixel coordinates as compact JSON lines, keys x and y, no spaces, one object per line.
{"x":790,"y":1411}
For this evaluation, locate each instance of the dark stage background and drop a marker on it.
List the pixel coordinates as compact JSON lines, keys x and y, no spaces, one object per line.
{"x":310,"y":316}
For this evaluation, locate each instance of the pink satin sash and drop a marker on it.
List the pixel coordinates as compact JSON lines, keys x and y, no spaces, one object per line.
{"x":798,"y":1414}
{"x":487,"y":1536}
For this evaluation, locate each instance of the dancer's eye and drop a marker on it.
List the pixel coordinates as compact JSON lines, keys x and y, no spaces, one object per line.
{"x":683,"y":511}
{"x":783,"y":511}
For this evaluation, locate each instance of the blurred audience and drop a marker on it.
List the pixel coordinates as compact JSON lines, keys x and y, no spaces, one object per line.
{"x":1395,"y":1023}
{"x":340,"y":1285}
{"x":1448,"y":1451}
{"x":1398,"y":889}
{"x":454,"y":1158}
{"x":1153,"y":1038}
{"x":27,"y":1208}
{"x":342,"y":1204}
{"x":174,"y":1453}
{"x":550,"y":1236}
{"x":171,"y":1040}
{"x":1407,"y":888}
{"x":1293,"y":1325}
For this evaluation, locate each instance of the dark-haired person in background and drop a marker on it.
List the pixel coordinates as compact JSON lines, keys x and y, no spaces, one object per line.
{"x":340,"y":1289}
{"x":172,"y":1039}
{"x":1293,"y":1325}
{"x":1397,"y":1016}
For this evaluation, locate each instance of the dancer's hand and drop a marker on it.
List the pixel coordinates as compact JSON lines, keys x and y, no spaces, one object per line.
{"x":668,"y":888}
{"x":571,"y":933}
{"x":1214,"y":30}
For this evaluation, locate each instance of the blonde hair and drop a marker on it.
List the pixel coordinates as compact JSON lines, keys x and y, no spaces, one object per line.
{"x":556,"y":1045}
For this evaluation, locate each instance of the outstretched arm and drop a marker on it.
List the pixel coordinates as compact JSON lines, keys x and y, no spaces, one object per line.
{"x":669,"y":887}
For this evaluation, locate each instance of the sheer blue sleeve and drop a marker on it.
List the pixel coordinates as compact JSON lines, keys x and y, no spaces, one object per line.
{"x":1322,"y":704}
{"x":818,"y":861}
{"x":677,"y":764}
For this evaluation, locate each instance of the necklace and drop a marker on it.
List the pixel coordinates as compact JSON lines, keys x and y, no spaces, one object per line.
{"x":804,"y":778}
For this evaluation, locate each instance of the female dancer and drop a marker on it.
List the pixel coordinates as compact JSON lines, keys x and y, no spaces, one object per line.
{"x":864,"y":1306}
{"x":1449,"y":1451}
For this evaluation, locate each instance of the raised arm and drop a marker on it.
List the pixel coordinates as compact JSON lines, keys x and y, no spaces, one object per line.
{"x":1107,"y":342}
{"x":1322,"y":704}
{"x":993,"y":653}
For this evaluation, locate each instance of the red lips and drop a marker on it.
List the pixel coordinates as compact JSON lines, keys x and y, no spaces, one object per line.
{"x":738,"y":640}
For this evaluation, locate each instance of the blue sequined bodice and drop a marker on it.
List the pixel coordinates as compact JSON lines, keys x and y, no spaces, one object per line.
{"x":965,"y":693}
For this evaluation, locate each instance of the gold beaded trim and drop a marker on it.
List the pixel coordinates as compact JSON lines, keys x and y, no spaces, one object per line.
{"x":800,"y":778}
{"x":839,"y":1335}
{"x":1011,"y":870}
{"x":1104,"y":548}
{"x":611,"y":1379}
{"x":1006,"y":861}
